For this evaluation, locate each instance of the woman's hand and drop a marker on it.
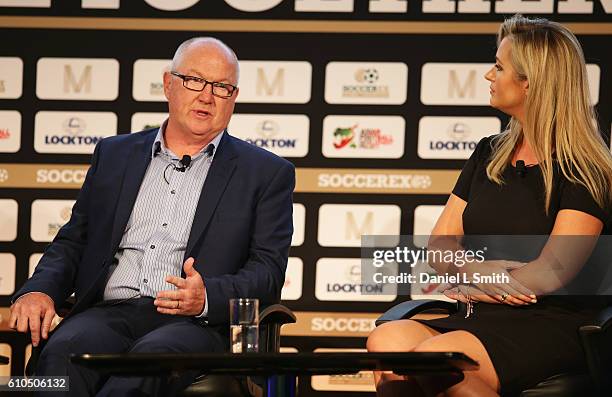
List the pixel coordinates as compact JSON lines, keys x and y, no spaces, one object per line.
{"x":461,"y":292}
{"x":493,"y":278}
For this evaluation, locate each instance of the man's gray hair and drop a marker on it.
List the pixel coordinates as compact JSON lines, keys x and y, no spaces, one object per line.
{"x":210,"y":40}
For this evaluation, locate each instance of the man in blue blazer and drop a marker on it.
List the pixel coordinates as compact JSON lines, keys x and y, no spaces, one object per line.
{"x":169,"y":225}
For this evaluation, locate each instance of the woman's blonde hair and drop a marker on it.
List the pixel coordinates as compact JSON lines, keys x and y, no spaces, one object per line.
{"x":560,"y":121}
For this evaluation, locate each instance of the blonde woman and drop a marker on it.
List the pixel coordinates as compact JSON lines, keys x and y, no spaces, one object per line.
{"x":517,"y":334}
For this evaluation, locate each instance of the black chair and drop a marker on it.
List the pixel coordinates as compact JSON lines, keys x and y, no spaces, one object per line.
{"x":596,"y":340}
{"x":271,"y":319}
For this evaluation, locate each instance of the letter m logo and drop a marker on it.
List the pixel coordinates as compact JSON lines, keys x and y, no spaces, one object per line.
{"x":456,"y":89}
{"x":354,"y":231}
{"x":72,"y":84}
{"x":265,"y":87}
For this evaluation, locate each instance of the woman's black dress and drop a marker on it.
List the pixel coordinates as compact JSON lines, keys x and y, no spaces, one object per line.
{"x":526,"y":344}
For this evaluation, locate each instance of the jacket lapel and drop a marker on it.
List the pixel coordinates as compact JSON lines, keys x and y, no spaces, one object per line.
{"x":139,"y":159}
{"x":220,"y":172}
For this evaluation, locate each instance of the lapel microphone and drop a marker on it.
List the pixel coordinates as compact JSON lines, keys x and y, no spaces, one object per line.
{"x":184,"y":162}
{"x":521,"y":170}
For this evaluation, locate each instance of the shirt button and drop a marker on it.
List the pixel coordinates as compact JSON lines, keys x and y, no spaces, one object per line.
{"x":152,"y":247}
{"x":164,"y":224}
{"x":145,"y":281}
{"x":172,"y":191}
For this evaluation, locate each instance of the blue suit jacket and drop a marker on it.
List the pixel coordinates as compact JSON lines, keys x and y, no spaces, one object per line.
{"x":240,"y":235}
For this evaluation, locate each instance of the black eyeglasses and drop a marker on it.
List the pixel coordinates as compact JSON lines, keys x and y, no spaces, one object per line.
{"x":221,"y":90}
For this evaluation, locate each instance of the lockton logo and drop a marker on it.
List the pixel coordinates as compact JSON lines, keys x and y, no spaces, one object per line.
{"x":299,"y":224}
{"x":77,"y":78}
{"x":72,"y":132}
{"x":363,"y":136}
{"x":33,"y":262}
{"x":145,"y":120}
{"x":11,"y":77}
{"x":442,"y":137}
{"x":362,"y":381}
{"x":8,"y":219}
{"x":339,"y":279}
{"x":7,"y":274}
{"x":454,"y":84}
{"x":292,"y":288}
{"x":48,"y":216}
{"x":382,"y":83}
{"x":275,"y":82}
{"x":148,"y":83}
{"x":342,"y":225}
{"x":10,"y":131}
{"x":285,"y":135}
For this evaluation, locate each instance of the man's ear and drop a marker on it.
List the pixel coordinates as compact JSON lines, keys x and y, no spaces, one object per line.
{"x":167,"y":84}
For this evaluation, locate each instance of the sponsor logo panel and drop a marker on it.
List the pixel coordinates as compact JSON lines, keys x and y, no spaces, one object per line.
{"x":11,"y":77}
{"x":324,"y":6}
{"x":8,"y":219}
{"x":145,"y":120}
{"x":342,"y":225}
{"x":26,"y":3}
{"x":101,"y":4}
{"x":288,"y":349}
{"x":49,"y":176}
{"x":33,"y":262}
{"x":292,"y":288}
{"x":381,"y":83}
{"x":72,"y":132}
{"x":275,"y":82}
{"x":285,"y":135}
{"x":442,"y":137}
{"x":425,"y":290}
{"x":425,"y":218}
{"x":7,"y":351}
{"x":77,"y":79}
{"x":48,"y":216}
{"x":331,"y":324}
{"x":364,"y":136}
{"x":7,"y":273}
{"x":362,"y":180}
{"x":340,"y":279}
{"x":10,"y":131}
{"x":308,"y":180}
{"x":454,"y":84}
{"x":594,"y":78}
{"x":148,"y":83}
{"x":362,"y":381}
{"x":299,"y":224}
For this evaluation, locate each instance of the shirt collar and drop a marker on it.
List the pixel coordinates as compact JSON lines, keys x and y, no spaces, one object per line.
{"x":159,"y":144}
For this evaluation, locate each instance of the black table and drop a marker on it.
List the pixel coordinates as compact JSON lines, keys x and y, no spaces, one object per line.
{"x":288,"y":365}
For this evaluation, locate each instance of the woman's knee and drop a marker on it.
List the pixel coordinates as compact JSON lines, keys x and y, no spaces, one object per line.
{"x":401,"y":335}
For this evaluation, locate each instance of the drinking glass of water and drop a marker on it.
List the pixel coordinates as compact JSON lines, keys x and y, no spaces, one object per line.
{"x":244,"y":325}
